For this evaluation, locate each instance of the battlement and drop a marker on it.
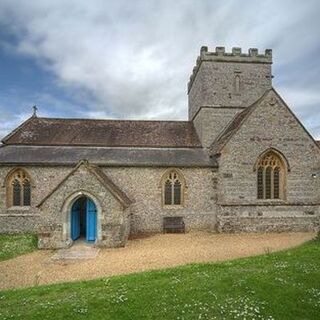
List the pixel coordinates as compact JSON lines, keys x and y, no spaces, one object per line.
{"x":220,"y":55}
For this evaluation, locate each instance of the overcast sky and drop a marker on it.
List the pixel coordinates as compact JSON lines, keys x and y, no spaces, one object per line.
{"x":132,"y":59}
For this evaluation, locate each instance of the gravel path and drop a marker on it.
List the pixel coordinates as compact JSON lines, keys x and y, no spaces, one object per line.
{"x":154,"y":252}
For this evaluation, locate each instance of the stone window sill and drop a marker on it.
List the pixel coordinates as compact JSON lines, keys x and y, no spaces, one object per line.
{"x":271,"y":201}
{"x":19,"y":208}
{"x":173,"y":207}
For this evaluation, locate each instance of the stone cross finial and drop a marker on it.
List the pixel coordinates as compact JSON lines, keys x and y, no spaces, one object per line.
{"x":35,"y":109}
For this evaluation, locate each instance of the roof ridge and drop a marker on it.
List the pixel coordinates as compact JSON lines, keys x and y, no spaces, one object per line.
{"x":115,"y":120}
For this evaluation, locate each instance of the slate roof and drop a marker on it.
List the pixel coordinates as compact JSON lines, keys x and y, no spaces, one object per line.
{"x":104,"y":133}
{"x":105,"y":156}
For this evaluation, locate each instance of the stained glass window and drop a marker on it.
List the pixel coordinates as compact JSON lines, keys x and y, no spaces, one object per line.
{"x":16,"y":193}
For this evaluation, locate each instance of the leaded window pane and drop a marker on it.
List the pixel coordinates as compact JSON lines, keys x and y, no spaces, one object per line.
{"x":268,"y":182}
{"x":177,"y":192}
{"x":26,"y":193}
{"x":260,"y":183}
{"x":276,"y":183}
{"x":168,"y":192}
{"x":16,"y":193}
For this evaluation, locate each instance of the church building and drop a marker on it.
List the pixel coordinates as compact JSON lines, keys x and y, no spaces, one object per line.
{"x":243,"y":162}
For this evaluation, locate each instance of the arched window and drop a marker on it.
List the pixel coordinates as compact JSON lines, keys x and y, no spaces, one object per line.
{"x":270,"y":177}
{"x":173,"y":187}
{"x":18,"y":189}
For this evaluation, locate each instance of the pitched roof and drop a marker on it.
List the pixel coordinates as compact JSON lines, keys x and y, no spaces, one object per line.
{"x":240,"y":118}
{"x":101,"y":176}
{"x":104,"y":156}
{"x":233,"y":127}
{"x":107,"y":133}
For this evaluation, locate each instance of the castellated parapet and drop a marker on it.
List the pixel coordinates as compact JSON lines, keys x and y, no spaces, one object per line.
{"x":222,"y":84}
{"x":220,"y":55}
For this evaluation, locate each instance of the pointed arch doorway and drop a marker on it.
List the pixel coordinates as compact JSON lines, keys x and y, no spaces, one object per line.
{"x":84,"y":219}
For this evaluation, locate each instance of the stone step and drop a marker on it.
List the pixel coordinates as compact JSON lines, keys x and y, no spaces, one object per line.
{"x":77,"y":252}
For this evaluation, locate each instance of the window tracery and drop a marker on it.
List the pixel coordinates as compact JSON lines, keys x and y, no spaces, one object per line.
{"x":173,"y":187}
{"x":19,"y":189}
{"x":270,"y":177}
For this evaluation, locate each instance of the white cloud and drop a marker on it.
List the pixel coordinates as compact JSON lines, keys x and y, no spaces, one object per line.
{"x":305,"y":103}
{"x":133,"y":59}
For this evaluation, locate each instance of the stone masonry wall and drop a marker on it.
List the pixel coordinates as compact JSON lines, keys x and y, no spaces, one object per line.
{"x":278,"y":218}
{"x":214,"y":85}
{"x":213,"y":96}
{"x":55,"y":211}
{"x":142,"y":185}
{"x":210,"y":122}
{"x":270,"y":125}
{"x":15,"y":219}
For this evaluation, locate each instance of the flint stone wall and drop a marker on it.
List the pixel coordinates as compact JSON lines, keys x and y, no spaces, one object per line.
{"x":28,"y":219}
{"x":142,"y":186}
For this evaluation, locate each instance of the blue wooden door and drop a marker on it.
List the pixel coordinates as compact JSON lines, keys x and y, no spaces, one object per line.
{"x":91,"y":221}
{"x":75,"y":221}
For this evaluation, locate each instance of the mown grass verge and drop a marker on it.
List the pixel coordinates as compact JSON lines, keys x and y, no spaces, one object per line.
{"x":283,"y":285}
{"x":14,"y":245}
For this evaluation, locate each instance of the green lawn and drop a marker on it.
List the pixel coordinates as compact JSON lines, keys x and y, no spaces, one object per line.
{"x":14,"y":245}
{"x":283,"y":285}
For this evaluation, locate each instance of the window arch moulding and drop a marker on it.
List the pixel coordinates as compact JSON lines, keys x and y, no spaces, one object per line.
{"x":173,"y":188}
{"x":271,"y":175}
{"x":19,"y":186}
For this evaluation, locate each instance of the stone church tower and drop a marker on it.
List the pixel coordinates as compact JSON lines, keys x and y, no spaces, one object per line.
{"x":223,"y":84}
